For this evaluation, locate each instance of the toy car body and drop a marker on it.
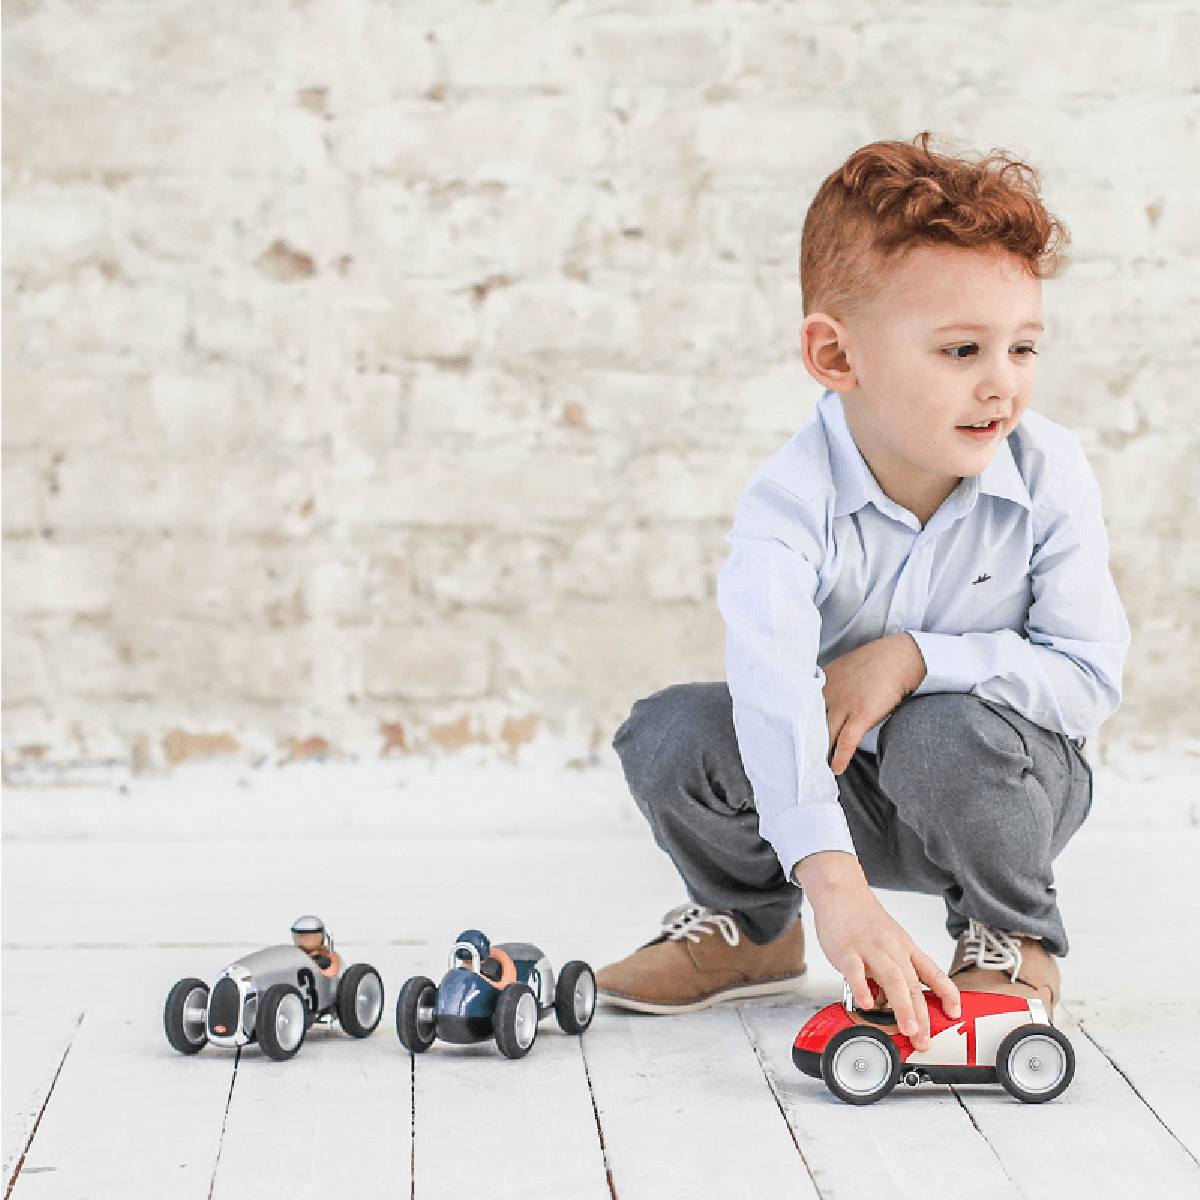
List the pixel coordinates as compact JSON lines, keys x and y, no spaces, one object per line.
{"x":494,"y":991}
{"x":273,"y":997}
{"x":998,"y":1039}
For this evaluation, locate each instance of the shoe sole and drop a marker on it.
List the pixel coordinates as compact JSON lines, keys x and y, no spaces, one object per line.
{"x":746,"y":991}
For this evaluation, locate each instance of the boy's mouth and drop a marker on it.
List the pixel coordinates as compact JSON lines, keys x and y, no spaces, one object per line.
{"x":982,"y":430}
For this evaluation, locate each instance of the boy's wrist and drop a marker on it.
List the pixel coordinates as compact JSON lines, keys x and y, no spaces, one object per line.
{"x":829,"y":874}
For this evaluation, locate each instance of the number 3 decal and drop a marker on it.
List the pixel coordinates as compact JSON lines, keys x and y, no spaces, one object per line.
{"x":306,"y":981}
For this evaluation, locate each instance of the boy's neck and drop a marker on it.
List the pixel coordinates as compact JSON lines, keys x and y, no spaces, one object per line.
{"x":916,"y":491}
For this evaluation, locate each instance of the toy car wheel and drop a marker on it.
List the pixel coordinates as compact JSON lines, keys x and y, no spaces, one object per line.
{"x":1035,"y":1063}
{"x":282,"y":1021}
{"x":515,"y":1020}
{"x":860,"y":1065}
{"x":186,"y":1014}
{"x":575,"y":997}
{"x":416,"y":1014}
{"x":360,"y":1000}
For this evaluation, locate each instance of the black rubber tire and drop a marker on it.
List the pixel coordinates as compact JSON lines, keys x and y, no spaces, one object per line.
{"x":575,"y":997}
{"x":515,"y":1021}
{"x":1014,"y":1071}
{"x":414,"y":1034}
{"x":173,"y":1017}
{"x":266,"y":1027}
{"x":872,"y":1041}
{"x":360,"y":989}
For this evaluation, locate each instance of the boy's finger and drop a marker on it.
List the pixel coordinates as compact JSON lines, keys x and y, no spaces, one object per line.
{"x":847,"y":743}
{"x":900,"y":1000}
{"x":856,"y":977}
{"x":941,"y":983}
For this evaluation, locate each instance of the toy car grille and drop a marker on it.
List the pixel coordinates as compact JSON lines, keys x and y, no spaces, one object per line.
{"x":224,"y":1008}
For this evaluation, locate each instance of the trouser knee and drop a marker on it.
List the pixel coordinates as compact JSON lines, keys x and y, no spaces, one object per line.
{"x":681,"y":741}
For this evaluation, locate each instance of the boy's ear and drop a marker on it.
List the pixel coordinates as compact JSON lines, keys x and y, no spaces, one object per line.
{"x":823,"y":341}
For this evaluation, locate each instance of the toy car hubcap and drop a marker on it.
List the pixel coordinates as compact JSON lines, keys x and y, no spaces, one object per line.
{"x":289,"y":1022}
{"x":1037,"y":1064}
{"x":862,"y":1066}
{"x":585,"y":998}
{"x":195,"y":1014}
{"x":368,"y":1002}
{"x":527,"y":1018}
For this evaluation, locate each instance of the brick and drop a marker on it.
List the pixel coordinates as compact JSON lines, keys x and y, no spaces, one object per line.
{"x":794,"y":55}
{"x":654,"y":51}
{"x":415,"y":321}
{"x":432,"y":487}
{"x":472,"y":137}
{"x":26,"y":677}
{"x":482,"y":404}
{"x":422,"y":661}
{"x":54,"y":410}
{"x":43,"y":577}
{"x":497,"y":573}
{"x":24,"y":478}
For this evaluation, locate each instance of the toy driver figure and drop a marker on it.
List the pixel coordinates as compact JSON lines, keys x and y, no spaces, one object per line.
{"x":308,"y":933}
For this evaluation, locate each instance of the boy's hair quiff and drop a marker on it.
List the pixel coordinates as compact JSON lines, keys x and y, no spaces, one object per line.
{"x":890,"y":196}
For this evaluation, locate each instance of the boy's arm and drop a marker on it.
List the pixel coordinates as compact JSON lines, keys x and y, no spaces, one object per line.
{"x":1064,"y":672}
{"x":767,"y":592}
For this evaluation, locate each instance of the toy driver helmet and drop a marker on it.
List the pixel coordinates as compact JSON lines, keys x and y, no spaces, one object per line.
{"x":471,"y":948}
{"x":309,"y":934}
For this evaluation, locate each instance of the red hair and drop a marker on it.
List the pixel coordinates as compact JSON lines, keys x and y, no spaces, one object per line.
{"x":888,"y":197}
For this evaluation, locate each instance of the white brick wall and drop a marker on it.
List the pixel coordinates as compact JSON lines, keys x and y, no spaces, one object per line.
{"x":399,"y":363}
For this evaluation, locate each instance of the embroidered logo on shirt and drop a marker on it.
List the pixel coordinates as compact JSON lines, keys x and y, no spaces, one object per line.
{"x":981,"y":579}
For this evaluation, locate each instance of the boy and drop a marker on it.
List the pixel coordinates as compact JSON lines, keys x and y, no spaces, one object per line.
{"x":922,"y":627}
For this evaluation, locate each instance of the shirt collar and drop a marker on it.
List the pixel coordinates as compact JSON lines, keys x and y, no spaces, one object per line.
{"x":854,"y":485}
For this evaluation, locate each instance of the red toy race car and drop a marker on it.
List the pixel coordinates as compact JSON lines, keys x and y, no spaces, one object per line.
{"x":861,"y":1055}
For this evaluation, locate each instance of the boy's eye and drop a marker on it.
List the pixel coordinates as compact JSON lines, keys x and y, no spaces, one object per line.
{"x":965,"y":351}
{"x":1024,"y":348}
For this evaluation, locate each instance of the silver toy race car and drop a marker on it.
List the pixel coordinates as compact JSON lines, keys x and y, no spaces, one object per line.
{"x":274,"y":995}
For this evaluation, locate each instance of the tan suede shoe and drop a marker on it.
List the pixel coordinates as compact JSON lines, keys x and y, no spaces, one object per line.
{"x":701,"y":958}
{"x":1007,"y":964}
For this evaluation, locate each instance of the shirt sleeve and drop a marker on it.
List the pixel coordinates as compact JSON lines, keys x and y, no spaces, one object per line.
{"x":766,"y":592}
{"x":1064,"y":671}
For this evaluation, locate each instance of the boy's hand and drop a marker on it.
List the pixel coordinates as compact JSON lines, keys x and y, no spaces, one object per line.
{"x":862,"y":687}
{"x":860,"y":939}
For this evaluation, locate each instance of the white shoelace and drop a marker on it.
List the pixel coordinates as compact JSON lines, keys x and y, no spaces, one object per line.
{"x":690,"y":920}
{"x":992,"y":949}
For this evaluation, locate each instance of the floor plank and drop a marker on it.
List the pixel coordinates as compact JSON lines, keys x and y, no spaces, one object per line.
{"x":686,"y":1111}
{"x":486,"y":1125}
{"x":32,"y":1059}
{"x":1156,"y":1048}
{"x":129,"y":1118}
{"x":336,"y":1120}
{"x":1097,"y":1139}
{"x":912,"y":1145}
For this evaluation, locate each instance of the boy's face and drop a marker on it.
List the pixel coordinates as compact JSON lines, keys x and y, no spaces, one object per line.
{"x":941,"y":361}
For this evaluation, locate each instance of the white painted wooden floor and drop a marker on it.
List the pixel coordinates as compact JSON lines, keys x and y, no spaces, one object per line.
{"x":110,"y":895}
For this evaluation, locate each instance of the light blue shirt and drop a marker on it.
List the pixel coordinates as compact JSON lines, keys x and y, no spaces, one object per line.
{"x":1006,"y":591}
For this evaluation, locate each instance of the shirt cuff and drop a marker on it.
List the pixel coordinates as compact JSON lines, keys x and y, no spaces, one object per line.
{"x":808,"y":829}
{"x":952,"y":663}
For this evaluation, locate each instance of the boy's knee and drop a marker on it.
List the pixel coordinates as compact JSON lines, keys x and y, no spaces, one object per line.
{"x":668,"y":737}
{"x":936,"y":745}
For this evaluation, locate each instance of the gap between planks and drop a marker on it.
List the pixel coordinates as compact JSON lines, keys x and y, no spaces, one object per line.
{"x":12,"y":1182}
{"x":1134,"y":1089}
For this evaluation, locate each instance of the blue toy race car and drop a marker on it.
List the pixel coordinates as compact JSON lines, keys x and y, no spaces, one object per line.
{"x":494,"y":991}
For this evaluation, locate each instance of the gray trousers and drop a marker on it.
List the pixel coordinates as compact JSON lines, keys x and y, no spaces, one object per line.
{"x":964,"y":799}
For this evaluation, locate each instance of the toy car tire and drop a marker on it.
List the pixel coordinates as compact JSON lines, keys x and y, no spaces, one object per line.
{"x":860,"y":1065}
{"x":416,"y":1007}
{"x":1035,"y":1063}
{"x":185,"y":1016}
{"x":281,"y":1022}
{"x":515,"y":1020}
{"x":360,"y":1000}
{"x":575,"y":997}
